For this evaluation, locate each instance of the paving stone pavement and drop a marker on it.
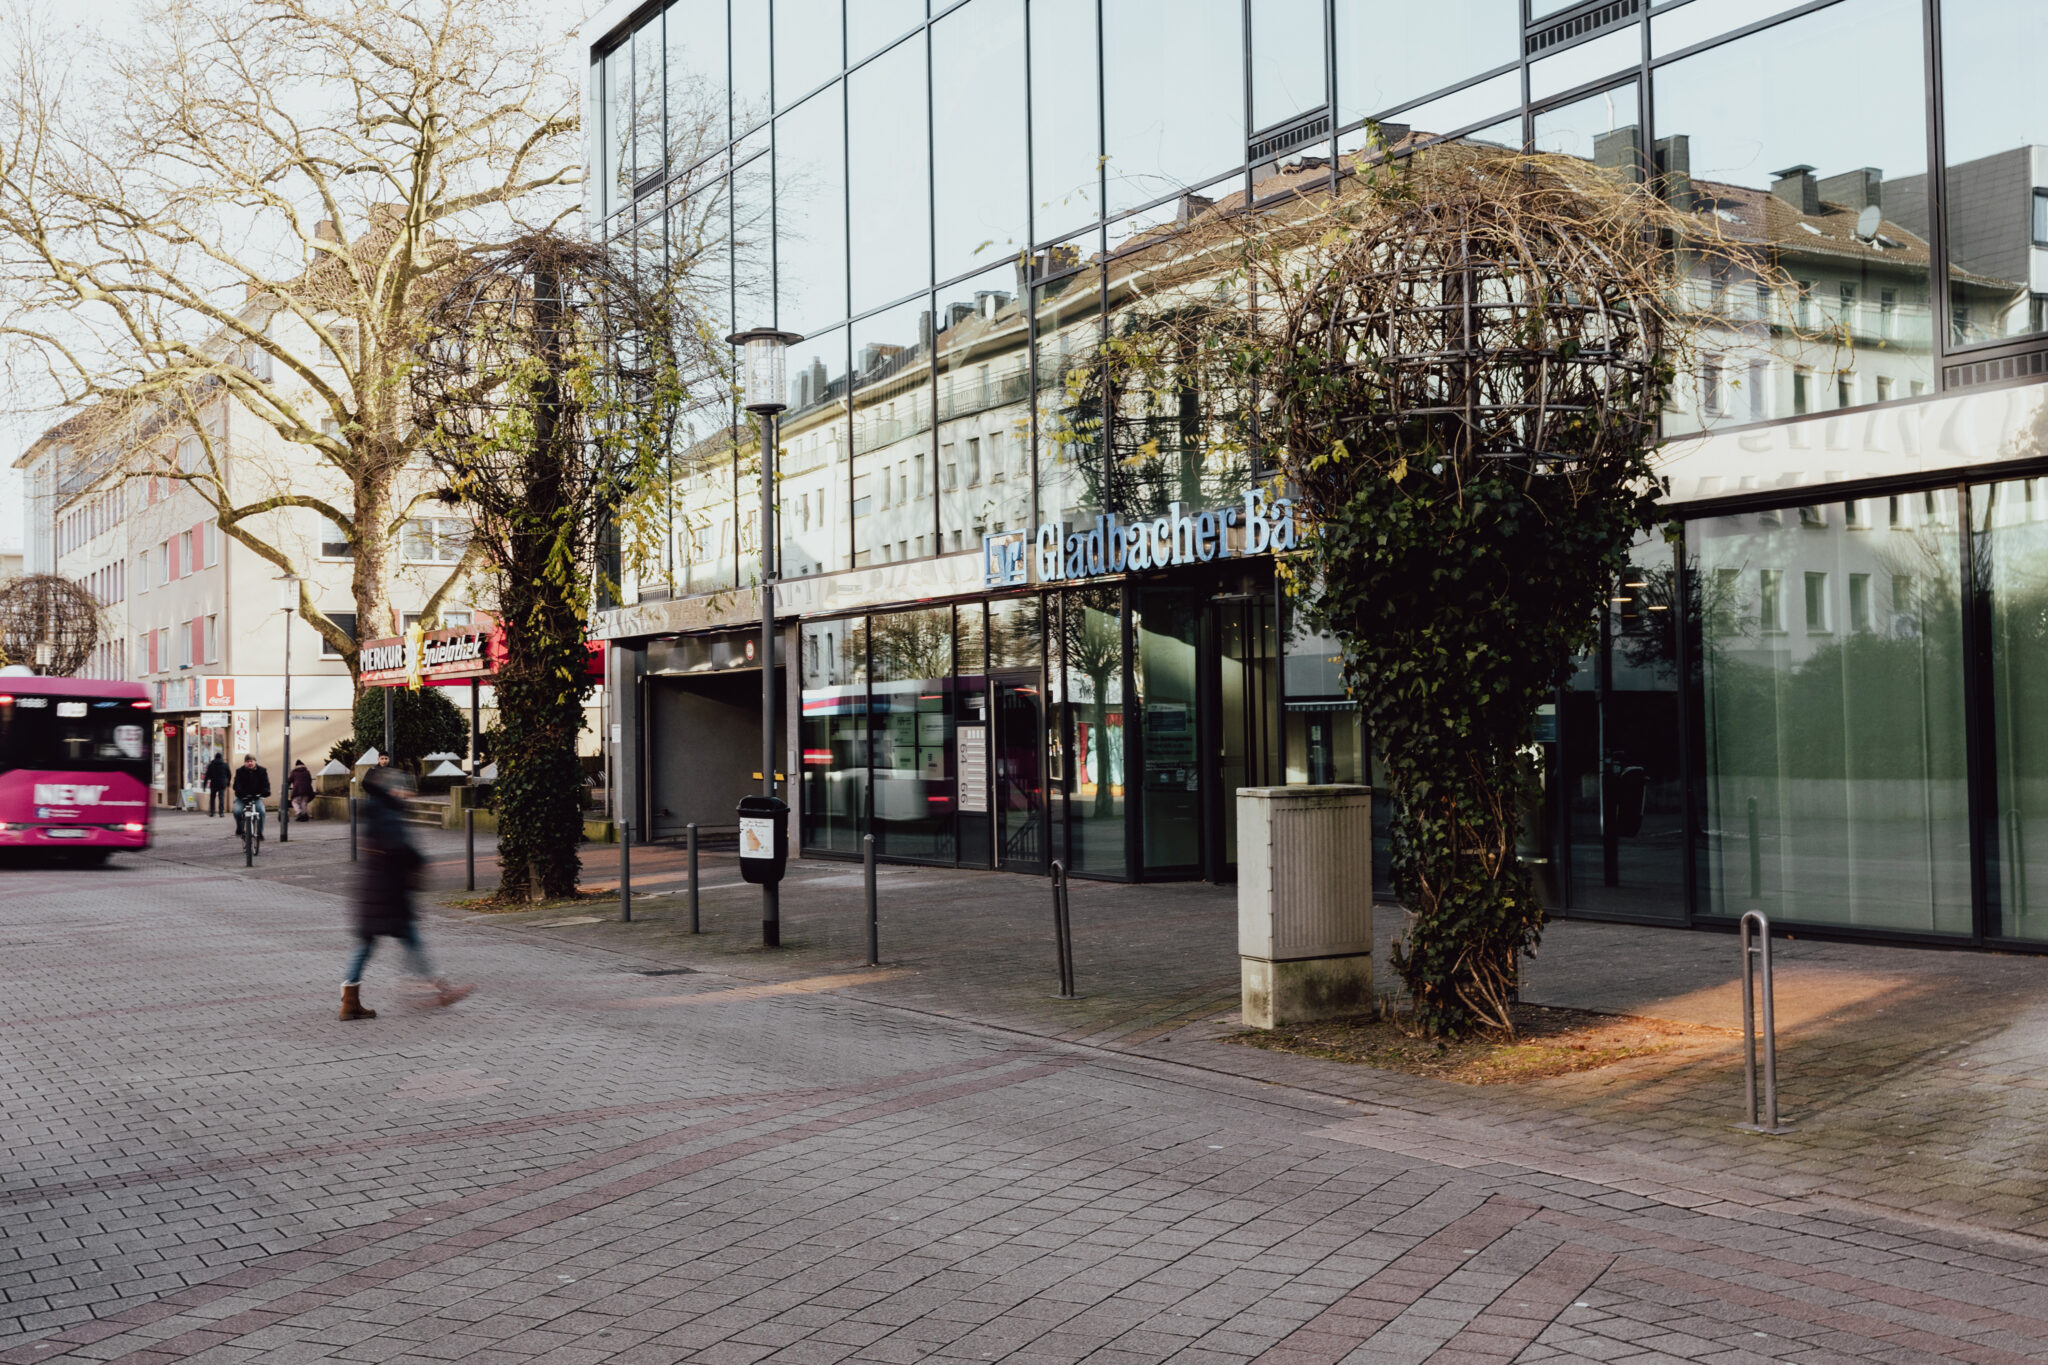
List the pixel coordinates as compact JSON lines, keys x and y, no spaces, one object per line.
{"x":633,"y":1146}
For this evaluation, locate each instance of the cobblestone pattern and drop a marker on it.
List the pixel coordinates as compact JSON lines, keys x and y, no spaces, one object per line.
{"x":584,"y":1163}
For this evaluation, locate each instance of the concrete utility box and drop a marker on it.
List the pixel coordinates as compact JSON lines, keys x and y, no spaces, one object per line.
{"x":1304,"y":902}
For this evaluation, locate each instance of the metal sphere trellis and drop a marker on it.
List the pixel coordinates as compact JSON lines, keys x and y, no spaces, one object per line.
{"x":1468,"y":327}
{"x":48,"y":623}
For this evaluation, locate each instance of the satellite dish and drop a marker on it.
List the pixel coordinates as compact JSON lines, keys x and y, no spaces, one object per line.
{"x":1869,"y":221}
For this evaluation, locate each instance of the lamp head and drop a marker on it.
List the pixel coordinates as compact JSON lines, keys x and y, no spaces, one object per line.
{"x":764,"y":362}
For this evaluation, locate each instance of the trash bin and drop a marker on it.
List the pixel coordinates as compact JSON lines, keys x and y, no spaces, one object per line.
{"x":764,"y":839}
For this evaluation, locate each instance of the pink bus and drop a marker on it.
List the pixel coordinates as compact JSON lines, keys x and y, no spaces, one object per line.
{"x":74,"y":765}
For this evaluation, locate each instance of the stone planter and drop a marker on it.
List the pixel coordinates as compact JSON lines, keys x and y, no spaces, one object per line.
{"x":1304,"y":902}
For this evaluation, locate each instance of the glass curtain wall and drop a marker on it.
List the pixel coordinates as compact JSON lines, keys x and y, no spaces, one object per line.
{"x":817,"y":440}
{"x":984,"y":409}
{"x":1093,"y":696}
{"x":1834,"y":764}
{"x":2010,"y":554}
{"x":911,"y":725}
{"x":1995,"y":168}
{"x":833,"y":735}
{"x":1167,"y":623}
{"x":892,"y":435}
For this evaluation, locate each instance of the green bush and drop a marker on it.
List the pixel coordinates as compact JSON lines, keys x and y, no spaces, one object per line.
{"x":423,"y":722}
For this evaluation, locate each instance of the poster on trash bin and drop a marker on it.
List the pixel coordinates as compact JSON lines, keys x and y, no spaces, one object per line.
{"x":757,"y":837}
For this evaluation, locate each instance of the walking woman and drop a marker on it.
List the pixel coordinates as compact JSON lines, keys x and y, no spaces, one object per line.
{"x":384,"y":887}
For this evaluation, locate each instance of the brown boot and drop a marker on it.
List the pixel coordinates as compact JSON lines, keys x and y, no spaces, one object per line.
{"x":352,"y":1003}
{"x":445,"y":994}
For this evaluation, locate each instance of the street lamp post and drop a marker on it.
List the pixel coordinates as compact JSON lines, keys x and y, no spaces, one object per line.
{"x":764,"y":353}
{"x":288,"y":599}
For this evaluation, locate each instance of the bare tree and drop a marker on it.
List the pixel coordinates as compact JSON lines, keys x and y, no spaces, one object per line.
{"x":255,"y":204}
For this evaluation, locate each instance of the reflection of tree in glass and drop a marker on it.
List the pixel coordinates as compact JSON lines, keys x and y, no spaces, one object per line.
{"x":913,"y":644}
{"x":1095,"y":650}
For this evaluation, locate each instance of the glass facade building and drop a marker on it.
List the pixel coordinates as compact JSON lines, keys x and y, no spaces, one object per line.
{"x":1814,"y":696}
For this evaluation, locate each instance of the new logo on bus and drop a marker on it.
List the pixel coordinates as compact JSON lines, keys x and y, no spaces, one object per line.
{"x":67,"y":794}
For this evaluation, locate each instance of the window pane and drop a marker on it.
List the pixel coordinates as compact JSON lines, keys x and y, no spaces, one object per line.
{"x":753,"y":222}
{"x":1607,"y":55}
{"x":1287,"y":60}
{"x":1833,"y":763}
{"x":872,"y":23}
{"x":911,"y":733}
{"x":1094,"y":695}
{"x":892,"y":436}
{"x":807,"y":47}
{"x":1069,"y":457}
{"x":978,"y":135}
{"x":1677,"y":29}
{"x":1066,"y":127}
{"x":697,"y":121}
{"x":815,"y":446}
{"x":810,"y":215}
{"x":1996,"y":128}
{"x":1174,"y":115}
{"x":700,"y":251}
{"x":649,"y":136}
{"x":618,"y":127}
{"x":750,"y":56}
{"x":701,"y":503}
{"x":833,"y":734}
{"x":888,"y":176}
{"x":1831,"y":175}
{"x":1393,"y":51}
{"x":1602,"y":128}
{"x":2012,"y":546}
{"x":984,"y":466}
{"x":1167,"y":622}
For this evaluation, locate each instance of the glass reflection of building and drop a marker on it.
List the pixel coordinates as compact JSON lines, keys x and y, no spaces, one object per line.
{"x":1815,"y":699}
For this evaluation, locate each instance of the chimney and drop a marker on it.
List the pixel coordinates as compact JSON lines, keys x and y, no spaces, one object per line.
{"x":1674,"y":171}
{"x":324,"y":230}
{"x":1797,"y":187}
{"x":1619,"y":150}
{"x":1855,"y":190}
{"x":924,"y":330}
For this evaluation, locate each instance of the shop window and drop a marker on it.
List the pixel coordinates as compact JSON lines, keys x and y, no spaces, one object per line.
{"x":833,"y":735}
{"x":1832,"y":765}
{"x":910,"y":740}
{"x":1093,"y":727}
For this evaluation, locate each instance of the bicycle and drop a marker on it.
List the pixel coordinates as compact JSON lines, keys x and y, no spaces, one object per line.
{"x":250,"y":815}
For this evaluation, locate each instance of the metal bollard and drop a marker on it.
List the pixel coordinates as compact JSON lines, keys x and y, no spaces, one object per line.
{"x":469,"y":846}
{"x":1756,"y":854}
{"x":1756,"y":961}
{"x":351,"y":829}
{"x":867,"y":857}
{"x":626,"y":871}
{"x":691,"y":830}
{"x":1063,"y":931}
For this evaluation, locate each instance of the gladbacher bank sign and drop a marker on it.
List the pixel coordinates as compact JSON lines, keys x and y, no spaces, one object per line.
{"x":1258,"y":525}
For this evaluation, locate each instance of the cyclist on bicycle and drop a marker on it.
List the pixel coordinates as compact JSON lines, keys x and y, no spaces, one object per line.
{"x":252,"y":785}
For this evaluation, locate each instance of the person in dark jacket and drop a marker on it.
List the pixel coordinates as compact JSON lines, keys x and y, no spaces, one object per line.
{"x":300,"y":785}
{"x":383,"y":907}
{"x":252,"y":782}
{"x":217,"y":776}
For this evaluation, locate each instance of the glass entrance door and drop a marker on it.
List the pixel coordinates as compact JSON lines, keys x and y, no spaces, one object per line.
{"x":1019,"y":761}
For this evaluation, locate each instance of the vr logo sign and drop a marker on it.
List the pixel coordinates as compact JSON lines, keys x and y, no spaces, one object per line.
{"x":1179,"y":537}
{"x":1002,"y":554}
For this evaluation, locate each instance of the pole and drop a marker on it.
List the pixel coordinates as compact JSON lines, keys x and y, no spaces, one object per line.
{"x":771,"y":906}
{"x":284,"y":800}
{"x":476,"y":734}
{"x":351,"y":829}
{"x":867,"y":856}
{"x":625,"y":872}
{"x":690,"y":831}
{"x":1756,"y":855}
{"x":1062,"y":931}
{"x":1756,"y":980}
{"x":388,"y":742}
{"x":469,"y":846}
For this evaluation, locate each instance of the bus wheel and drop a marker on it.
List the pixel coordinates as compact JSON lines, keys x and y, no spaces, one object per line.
{"x":92,"y":857}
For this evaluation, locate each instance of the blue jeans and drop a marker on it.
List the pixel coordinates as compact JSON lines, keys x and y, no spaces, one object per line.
{"x":415,"y":956}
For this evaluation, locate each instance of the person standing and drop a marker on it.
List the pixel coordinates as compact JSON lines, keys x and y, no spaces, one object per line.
{"x":252,"y":782}
{"x":390,"y":866}
{"x":217,"y":777}
{"x":300,"y":785}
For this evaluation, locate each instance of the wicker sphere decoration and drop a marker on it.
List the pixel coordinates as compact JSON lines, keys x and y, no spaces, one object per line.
{"x":1500,"y":314}
{"x":47,"y":623}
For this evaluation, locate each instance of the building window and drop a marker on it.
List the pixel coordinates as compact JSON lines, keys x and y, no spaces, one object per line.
{"x":1884,"y":388}
{"x":347,"y":621}
{"x":1849,"y":299}
{"x":1845,"y":390}
{"x":1770,"y":606}
{"x":334,"y":541}
{"x":1859,"y":603}
{"x":1711,"y":398}
{"x":433,"y":540}
{"x":2041,"y":217}
{"x":1888,"y":313}
{"x":1817,"y":622}
{"x":210,"y":639}
{"x":1802,"y":392}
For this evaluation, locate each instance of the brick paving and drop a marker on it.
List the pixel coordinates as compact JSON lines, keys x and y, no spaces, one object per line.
{"x":633,"y":1144}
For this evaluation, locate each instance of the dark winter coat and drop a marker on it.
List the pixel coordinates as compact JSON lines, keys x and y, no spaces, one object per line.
{"x":389,"y":868}
{"x":251,"y":782}
{"x":217,"y":774}
{"x":301,"y":783}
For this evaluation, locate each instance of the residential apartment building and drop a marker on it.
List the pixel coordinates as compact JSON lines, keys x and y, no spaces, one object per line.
{"x":1819,"y":700}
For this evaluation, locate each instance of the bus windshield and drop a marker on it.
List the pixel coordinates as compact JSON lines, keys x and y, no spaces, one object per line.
{"x":74,"y":734}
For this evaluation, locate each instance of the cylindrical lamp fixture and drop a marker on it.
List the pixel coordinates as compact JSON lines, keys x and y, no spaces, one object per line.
{"x":764,"y":367}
